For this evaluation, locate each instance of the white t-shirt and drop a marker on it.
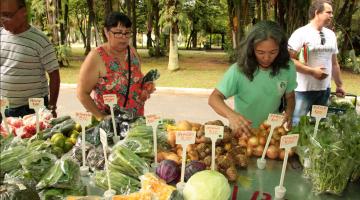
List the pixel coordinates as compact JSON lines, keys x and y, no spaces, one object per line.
{"x":318,"y":55}
{"x":25,"y":59}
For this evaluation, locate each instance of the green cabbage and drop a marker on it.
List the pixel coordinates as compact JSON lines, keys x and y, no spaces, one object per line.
{"x":207,"y":185}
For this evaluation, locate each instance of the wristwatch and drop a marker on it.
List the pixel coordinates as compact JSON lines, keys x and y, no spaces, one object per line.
{"x":52,"y":107}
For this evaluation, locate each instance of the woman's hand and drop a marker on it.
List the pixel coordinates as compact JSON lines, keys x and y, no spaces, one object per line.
{"x":239,"y":124}
{"x":148,"y":89}
{"x":287,"y":121}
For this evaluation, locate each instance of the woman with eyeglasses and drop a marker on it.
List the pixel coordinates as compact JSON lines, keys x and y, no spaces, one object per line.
{"x":113,"y":68}
{"x":263,"y":74}
{"x":314,"y":72}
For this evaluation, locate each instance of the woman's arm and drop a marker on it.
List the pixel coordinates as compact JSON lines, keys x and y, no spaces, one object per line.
{"x":237,"y":122}
{"x":88,"y":77}
{"x":289,"y":110}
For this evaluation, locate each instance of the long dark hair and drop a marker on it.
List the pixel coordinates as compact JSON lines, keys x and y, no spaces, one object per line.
{"x":262,"y":31}
{"x":114,"y":18}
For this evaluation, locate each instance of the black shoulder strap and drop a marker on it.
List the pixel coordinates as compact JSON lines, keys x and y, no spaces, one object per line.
{"x":128,"y":86}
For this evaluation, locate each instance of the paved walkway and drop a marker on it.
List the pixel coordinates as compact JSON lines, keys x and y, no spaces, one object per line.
{"x":178,"y":103}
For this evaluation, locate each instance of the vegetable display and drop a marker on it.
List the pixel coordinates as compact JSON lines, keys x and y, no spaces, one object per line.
{"x":333,"y":154}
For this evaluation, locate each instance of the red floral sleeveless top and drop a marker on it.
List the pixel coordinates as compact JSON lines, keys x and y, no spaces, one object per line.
{"x":116,"y":82}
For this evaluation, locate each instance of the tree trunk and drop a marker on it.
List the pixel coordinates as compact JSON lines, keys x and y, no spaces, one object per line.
{"x":222,"y":41}
{"x":52,"y":21}
{"x":108,"y":7}
{"x":128,"y":8}
{"x":173,"y":52}
{"x":88,"y":28}
{"x":264,"y":10}
{"x":134,"y":25}
{"x":150,"y":17}
{"x":156,"y":11}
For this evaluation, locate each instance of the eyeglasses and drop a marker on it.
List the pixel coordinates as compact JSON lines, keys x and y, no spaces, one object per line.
{"x":322,"y":37}
{"x":121,"y":34}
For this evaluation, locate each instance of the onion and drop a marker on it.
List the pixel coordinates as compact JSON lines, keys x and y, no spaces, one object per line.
{"x":272,"y":141}
{"x":258,"y":150}
{"x":281,"y":130}
{"x":262,"y":140}
{"x":253,"y":141}
{"x":249,"y":151}
{"x":291,"y":152}
{"x":242,"y":143}
{"x":272,"y":152}
{"x":282,"y":154}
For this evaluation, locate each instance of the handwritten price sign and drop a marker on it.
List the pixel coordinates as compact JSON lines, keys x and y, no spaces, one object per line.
{"x":110,"y":99}
{"x":214,"y":132}
{"x":83,"y":118}
{"x":319,"y":111}
{"x":288,"y":141}
{"x":152,"y":119}
{"x":185,"y":137}
{"x":275,"y":119}
{"x":36,"y":103}
{"x":4,"y":103}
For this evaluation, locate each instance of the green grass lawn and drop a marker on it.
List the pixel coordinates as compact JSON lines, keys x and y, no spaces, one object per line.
{"x":198,"y":69}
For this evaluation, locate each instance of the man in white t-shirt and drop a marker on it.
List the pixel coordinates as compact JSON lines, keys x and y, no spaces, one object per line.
{"x":317,"y":63}
{"x":27,"y":56}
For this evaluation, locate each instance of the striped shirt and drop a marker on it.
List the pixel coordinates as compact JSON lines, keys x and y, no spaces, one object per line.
{"x":24,"y":60}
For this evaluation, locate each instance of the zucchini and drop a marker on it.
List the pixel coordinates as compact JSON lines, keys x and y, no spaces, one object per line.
{"x":58,"y":120}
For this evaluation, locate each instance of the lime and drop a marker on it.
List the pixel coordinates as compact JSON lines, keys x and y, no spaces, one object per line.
{"x":59,"y":142}
{"x":72,"y":140}
{"x":56,"y":135}
{"x":74,"y":133}
{"x":57,"y":151}
{"x":77,"y":127}
{"x":67,"y":146}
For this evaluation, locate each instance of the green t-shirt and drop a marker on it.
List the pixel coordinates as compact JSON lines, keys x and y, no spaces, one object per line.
{"x":256,"y":99}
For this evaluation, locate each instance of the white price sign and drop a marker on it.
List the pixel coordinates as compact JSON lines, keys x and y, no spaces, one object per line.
{"x":110,"y":99}
{"x":103,"y":138}
{"x":185,"y":137}
{"x":214,"y":132}
{"x":288,"y":141}
{"x":152,"y":119}
{"x":275,"y":119}
{"x":319,"y":111}
{"x":36,"y":103}
{"x":83,"y":118}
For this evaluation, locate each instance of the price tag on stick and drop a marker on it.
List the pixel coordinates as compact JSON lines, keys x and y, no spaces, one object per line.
{"x":36,"y":104}
{"x":83,"y":118}
{"x":4,"y":103}
{"x":154,"y":120}
{"x":213,"y":132}
{"x":287,"y":142}
{"x":111,"y":100}
{"x":184,"y":138}
{"x":318,"y":112}
{"x":103,"y":139}
{"x":275,"y":120}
